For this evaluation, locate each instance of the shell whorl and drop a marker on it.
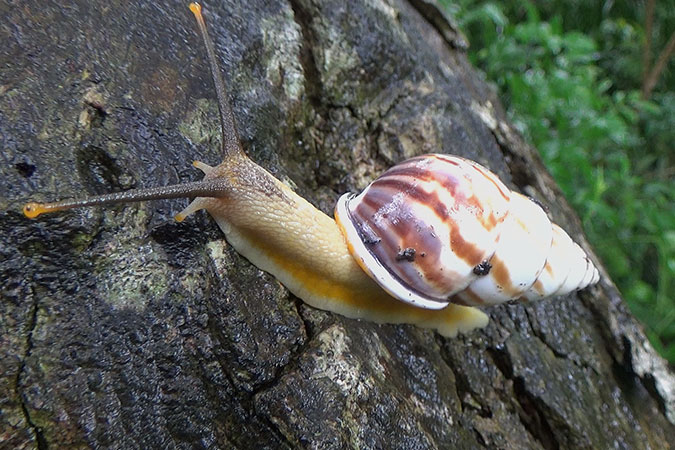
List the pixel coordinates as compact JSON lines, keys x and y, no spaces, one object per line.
{"x":438,"y":228}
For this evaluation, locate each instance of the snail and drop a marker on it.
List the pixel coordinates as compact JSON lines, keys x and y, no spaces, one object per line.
{"x":424,"y":243}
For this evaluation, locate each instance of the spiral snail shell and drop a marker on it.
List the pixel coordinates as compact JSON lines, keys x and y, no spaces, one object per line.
{"x":439,"y":228}
{"x":440,"y":233}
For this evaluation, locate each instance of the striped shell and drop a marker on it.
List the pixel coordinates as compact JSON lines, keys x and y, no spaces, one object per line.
{"x":438,"y":229}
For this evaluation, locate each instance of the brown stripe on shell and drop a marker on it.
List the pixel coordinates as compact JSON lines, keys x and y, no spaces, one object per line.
{"x":445,"y":158}
{"x":379,"y":195}
{"x":450,"y":182}
{"x":502,"y":277}
{"x":419,"y":181}
{"x":421,"y":174}
{"x":496,"y":182}
{"x":474,"y":201}
{"x":401,"y":230}
{"x":493,"y":179}
{"x":416,"y":172}
{"x":466,"y":251}
{"x":429,"y":199}
{"x":492,"y":219}
{"x":549,"y":269}
{"x":421,"y":237}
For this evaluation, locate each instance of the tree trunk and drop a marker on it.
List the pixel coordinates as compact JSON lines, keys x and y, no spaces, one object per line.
{"x":122,"y":328}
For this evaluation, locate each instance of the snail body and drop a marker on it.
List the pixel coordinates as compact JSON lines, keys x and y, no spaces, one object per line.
{"x":429,"y":239}
{"x":285,"y":235}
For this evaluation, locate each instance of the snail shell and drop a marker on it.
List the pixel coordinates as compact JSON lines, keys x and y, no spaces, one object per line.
{"x":438,"y":229}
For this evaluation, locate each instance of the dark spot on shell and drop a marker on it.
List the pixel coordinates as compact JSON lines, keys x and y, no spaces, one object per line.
{"x":482,"y":269}
{"x":407,"y":254}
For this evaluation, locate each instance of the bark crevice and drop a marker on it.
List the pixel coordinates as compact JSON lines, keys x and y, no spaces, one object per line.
{"x":18,"y":386}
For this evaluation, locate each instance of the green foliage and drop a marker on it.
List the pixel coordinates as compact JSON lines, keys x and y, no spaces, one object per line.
{"x":575,"y":95}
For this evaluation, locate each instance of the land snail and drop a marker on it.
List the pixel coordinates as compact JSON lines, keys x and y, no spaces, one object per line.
{"x":424,"y":243}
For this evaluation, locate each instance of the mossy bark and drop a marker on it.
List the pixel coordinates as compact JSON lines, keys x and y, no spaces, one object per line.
{"x":121,"y":328}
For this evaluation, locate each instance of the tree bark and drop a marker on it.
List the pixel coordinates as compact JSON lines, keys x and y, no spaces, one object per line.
{"x":121,"y":328}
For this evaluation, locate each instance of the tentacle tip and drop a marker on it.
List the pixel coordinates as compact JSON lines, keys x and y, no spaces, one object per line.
{"x":32,"y":210}
{"x":179,"y":217}
{"x":202,"y":166}
{"x":196,"y":8}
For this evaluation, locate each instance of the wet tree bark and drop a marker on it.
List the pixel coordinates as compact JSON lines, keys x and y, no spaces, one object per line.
{"x":121,"y":328}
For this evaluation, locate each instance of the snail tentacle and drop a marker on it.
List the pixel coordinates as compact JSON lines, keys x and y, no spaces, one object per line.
{"x":204,"y":188}
{"x":231,"y":142}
